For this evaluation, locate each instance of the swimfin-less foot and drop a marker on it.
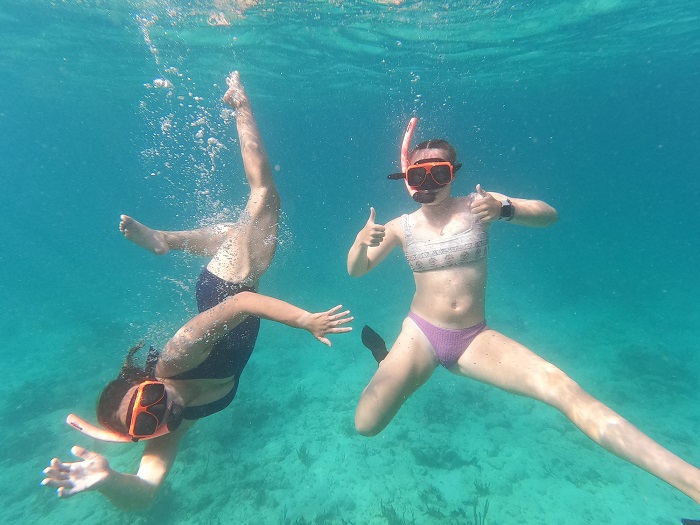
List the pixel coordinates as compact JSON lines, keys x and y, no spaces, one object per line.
{"x":375,"y":343}
{"x":690,"y":522}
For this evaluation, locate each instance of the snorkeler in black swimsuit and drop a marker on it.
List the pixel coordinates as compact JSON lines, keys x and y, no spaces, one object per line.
{"x":197,"y":372}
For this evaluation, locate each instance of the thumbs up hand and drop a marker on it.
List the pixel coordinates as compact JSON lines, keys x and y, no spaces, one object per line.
{"x":485,"y":206}
{"x":372,"y":234}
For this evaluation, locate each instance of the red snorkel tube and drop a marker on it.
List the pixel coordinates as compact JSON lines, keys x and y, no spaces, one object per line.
{"x":110,"y":436}
{"x":406,"y":144}
{"x":420,"y":197}
{"x":96,"y":432}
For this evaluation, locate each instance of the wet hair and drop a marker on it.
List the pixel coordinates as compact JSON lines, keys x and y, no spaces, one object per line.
{"x":437,"y":144}
{"x":111,"y":398}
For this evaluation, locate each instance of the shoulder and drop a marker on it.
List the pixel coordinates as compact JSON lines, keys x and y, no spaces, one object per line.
{"x":396,"y":229}
{"x":398,"y":222}
{"x":465,"y":201}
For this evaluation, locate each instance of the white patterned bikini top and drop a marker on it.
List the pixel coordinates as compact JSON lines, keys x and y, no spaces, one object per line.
{"x":463,"y":248}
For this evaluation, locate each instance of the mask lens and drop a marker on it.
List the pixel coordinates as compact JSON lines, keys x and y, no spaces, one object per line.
{"x":150,"y":411}
{"x":152,"y":394}
{"x":145,"y":424}
{"x":441,"y":174}
{"x":415,"y":176}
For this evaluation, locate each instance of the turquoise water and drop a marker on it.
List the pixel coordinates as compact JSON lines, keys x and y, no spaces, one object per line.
{"x":591,"y":106}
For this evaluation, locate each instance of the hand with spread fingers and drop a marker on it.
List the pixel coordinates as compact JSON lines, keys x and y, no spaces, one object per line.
{"x":79,"y":476}
{"x":329,"y":322}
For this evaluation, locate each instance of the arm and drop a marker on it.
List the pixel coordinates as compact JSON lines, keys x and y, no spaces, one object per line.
{"x":318,"y":324}
{"x":372,"y":244}
{"x":528,"y":212}
{"x":125,"y":491}
{"x":186,"y":348}
{"x":135,"y":492}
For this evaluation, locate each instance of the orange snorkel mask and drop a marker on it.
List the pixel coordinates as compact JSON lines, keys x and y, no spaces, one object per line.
{"x":145,"y":416}
{"x":426,"y":174}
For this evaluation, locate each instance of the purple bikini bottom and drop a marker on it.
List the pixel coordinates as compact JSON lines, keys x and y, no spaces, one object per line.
{"x":449,"y":344}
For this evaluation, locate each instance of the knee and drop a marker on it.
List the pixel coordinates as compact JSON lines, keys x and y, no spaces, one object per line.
{"x":559,"y":390}
{"x":271,"y":196}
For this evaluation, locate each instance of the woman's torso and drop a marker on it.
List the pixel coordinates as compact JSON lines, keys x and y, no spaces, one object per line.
{"x":210,"y":385}
{"x":447,"y":253}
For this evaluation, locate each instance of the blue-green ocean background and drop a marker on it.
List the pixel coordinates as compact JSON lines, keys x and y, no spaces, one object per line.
{"x":591,"y":106}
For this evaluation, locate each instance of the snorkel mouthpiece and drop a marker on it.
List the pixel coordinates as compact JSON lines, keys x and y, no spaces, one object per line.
{"x":423,"y":198}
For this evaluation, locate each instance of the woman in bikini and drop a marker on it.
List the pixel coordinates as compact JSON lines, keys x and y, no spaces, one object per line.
{"x":197,"y":372}
{"x":446,"y":242}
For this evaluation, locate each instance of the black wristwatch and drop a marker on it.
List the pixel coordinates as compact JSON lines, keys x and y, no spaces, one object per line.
{"x":507,"y":210}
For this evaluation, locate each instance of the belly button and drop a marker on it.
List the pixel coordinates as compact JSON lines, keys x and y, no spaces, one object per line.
{"x":454,"y":305}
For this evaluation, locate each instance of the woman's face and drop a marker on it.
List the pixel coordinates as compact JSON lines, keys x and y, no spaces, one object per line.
{"x":433,"y":194}
{"x":171,"y":398}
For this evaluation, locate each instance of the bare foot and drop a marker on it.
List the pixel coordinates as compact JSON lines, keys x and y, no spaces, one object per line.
{"x":153,"y":240}
{"x":236,"y":95}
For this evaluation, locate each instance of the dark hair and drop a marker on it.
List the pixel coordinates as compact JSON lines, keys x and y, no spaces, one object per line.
{"x":111,"y":398}
{"x":437,"y":144}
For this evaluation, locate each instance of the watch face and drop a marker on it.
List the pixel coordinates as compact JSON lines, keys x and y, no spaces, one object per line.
{"x":507,"y":209}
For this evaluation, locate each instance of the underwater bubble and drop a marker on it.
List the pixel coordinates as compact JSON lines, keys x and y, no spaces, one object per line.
{"x":162,"y":83}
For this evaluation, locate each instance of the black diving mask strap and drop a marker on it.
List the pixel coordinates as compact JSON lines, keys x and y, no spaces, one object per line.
{"x":151,"y":361}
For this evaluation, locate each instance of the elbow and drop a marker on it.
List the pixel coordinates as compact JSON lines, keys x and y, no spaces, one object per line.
{"x":547,"y":215}
{"x":353,"y":269}
{"x":553,"y":217}
{"x":356,"y":272}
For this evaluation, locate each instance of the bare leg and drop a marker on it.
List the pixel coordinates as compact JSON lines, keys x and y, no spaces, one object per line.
{"x":409,"y":364}
{"x":203,"y":241}
{"x":248,"y":250}
{"x":241,"y":251}
{"x":497,"y":360}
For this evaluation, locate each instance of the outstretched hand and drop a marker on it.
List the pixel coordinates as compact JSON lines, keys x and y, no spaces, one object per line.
{"x":330,"y":322}
{"x":486,"y":207}
{"x":80,"y":476}
{"x":372,"y":234}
